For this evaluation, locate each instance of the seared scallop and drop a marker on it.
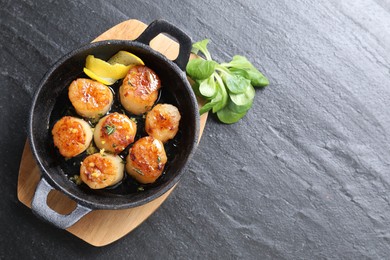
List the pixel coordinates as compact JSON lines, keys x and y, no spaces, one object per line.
{"x":139,"y":89}
{"x":90,"y":98}
{"x":114,"y":132}
{"x":146,"y":160}
{"x":101,"y":170}
{"x":71,"y":136}
{"x":162,"y":122}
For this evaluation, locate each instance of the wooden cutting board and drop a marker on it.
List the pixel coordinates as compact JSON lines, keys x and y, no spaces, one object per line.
{"x":100,"y":227}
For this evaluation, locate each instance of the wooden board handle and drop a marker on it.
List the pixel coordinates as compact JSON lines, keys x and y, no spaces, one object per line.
{"x":162,"y":26}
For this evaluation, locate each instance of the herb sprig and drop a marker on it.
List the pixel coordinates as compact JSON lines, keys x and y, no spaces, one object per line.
{"x":110,"y":129}
{"x":227,"y":87}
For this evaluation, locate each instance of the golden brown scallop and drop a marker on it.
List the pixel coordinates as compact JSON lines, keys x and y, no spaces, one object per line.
{"x":101,"y":170}
{"x":139,"y":89}
{"x":162,"y":122}
{"x":71,"y":136}
{"x":146,"y":160}
{"x":90,"y":98}
{"x":114,"y":132}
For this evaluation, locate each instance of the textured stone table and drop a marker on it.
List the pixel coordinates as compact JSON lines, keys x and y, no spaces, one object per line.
{"x":305,"y":175}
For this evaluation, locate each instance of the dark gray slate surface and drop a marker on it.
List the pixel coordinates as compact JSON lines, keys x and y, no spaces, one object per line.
{"x":305,"y":175}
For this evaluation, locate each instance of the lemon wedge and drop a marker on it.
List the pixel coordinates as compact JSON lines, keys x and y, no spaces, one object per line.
{"x":108,"y":72}
{"x":126,"y":58}
{"x":105,"y":81}
{"x":104,"y":69}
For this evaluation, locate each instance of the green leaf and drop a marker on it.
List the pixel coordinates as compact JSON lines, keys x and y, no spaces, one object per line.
{"x":239,"y":62}
{"x":227,"y":116}
{"x":239,"y":72}
{"x":235,"y":84}
{"x":222,"y":95}
{"x":207,"y":87}
{"x":202,"y":47}
{"x":228,"y":88}
{"x":195,"y":87}
{"x":208,"y":106}
{"x":239,"y":108}
{"x":257,"y":78}
{"x":254,"y":75}
{"x":218,"y":99}
{"x":241,"y":103}
{"x":199,"y":69}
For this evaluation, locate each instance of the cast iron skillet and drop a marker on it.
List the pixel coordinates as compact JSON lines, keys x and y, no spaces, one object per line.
{"x":61,"y":75}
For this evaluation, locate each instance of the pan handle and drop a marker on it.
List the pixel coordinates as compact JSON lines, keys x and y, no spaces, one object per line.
{"x":162,"y":26}
{"x":43,"y":211}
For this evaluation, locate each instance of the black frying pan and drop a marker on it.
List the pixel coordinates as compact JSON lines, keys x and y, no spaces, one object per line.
{"x":49,"y":102}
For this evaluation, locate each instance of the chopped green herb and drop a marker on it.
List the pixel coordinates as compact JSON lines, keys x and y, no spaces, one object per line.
{"x":140,"y":188}
{"x":76,"y":179}
{"x":139,"y":171}
{"x":93,"y":121}
{"x":110,"y":129}
{"x":92,"y":149}
{"x":159,"y":159}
